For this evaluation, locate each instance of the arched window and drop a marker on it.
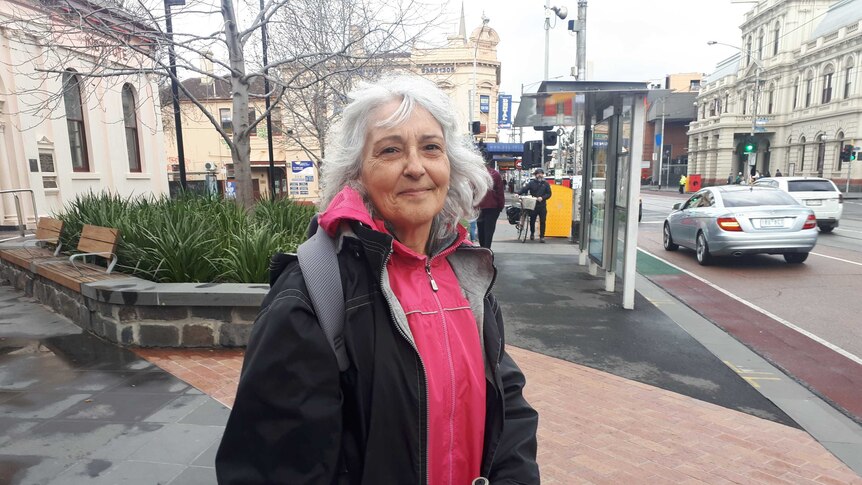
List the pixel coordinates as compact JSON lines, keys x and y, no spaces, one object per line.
{"x":848,"y":77}
{"x":75,"y":121}
{"x":828,"y":74}
{"x":776,"y":34}
{"x":795,"y":92}
{"x":770,"y":98}
{"x":748,"y":51}
{"x":809,"y":88}
{"x":130,"y":121}
{"x":760,"y":44}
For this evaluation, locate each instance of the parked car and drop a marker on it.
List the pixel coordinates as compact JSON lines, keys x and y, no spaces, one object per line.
{"x":736,"y":220}
{"x":818,"y":194}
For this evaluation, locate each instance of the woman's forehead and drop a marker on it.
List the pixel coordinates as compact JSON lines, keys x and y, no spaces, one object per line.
{"x":392,"y":117}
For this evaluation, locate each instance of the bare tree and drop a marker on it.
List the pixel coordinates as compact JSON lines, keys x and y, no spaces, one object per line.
{"x":316,"y":45}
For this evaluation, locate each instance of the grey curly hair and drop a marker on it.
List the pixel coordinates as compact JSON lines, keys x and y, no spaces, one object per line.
{"x":342,"y":166}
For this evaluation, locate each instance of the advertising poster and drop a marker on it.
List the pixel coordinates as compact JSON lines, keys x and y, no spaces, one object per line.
{"x":302,"y":182}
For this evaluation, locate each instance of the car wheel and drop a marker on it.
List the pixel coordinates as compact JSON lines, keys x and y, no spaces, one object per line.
{"x":795,"y":258}
{"x":826,"y":229}
{"x":667,"y":240}
{"x":702,"y":250}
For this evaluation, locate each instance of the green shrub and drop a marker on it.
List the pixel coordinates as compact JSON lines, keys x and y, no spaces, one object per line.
{"x":193,"y":238}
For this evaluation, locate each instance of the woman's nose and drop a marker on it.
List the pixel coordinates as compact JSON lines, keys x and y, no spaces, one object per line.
{"x":414,"y":164}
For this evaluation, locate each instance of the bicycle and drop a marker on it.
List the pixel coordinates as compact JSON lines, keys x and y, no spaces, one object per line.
{"x":528,"y":203}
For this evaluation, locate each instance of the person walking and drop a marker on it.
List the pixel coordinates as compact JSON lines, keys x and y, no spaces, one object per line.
{"x":541,"y":190}
{"x":778,"y":172}
{"x":428,"y":393}
{"x":492,"y":204}
{"x":730,"y":178}
{"x":682,"y":182}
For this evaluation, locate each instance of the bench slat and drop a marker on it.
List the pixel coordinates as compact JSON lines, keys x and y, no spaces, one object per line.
{"x":49,"y":229}
{"x":23,"y":257}
{"x":61,"y":272}
{"x":97,"y":239}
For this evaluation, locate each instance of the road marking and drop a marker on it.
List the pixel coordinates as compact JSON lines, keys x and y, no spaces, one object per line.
{"x":840,"y":230}
{"x":837,"y":259}
{"x":778,"y":319}
{"x":751,"y":376}
{"x":651,"y":222}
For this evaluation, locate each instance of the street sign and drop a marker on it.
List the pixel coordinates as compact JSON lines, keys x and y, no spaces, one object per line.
{"x":504,"y":111}
{"x":759,"y":129}
{"x":658,"y":139}
{"x":761,"y":121}
{"x":752,"y":159}
{"x":484,"y":103}
{"x":518,"y":164}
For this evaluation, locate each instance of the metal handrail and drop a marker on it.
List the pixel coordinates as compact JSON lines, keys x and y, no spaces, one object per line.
{"x":22,"y":224}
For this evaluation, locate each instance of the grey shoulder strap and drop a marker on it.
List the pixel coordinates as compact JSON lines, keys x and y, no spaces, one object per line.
{"x":319,"y":264}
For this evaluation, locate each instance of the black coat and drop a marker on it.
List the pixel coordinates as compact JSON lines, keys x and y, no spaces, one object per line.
{"x":297,"y":420}
{"x":537,"y":188}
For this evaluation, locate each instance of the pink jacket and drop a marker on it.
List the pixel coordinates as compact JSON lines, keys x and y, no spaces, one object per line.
{"x":446,"y":335}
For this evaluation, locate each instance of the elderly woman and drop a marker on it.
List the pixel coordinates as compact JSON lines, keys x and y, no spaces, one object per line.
{"x":430,"y":395}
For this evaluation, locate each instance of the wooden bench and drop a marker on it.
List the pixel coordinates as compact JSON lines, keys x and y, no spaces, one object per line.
{"x":48,"y":231}
{"x":95,"y":241}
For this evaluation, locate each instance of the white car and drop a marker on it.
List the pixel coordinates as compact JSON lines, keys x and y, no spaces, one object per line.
{"x":818,"y":194}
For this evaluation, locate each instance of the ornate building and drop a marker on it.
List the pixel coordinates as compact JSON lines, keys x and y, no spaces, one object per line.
{"x":795,"y":83}
{"x":63,"y":132}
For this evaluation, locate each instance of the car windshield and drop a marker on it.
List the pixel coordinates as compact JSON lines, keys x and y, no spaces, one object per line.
{"x":748,"y":198}
{"x":810,"y":186}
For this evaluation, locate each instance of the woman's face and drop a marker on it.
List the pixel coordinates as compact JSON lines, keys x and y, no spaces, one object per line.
{"x":405,"y":170}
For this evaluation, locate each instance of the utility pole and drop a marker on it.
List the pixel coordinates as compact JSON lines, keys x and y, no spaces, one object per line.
{"x":485,"y":21}
{"x":754,"y":119}
{"x":661,"y":144}
{"x":175,"y":90}
{"x":581,"y":38}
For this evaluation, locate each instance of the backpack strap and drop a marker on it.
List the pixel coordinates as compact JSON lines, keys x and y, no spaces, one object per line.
{"x":319,"y":264}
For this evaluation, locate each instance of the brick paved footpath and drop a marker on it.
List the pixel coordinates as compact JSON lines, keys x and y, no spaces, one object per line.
{"x":595,"y":427}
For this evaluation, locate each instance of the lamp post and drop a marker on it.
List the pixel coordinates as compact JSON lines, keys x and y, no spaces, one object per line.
{"x":263,"y":39}
{"x":485,"y":21}
{"x":175,"y":90}
{"x":758,"y":67}
{"x":560,"y":12}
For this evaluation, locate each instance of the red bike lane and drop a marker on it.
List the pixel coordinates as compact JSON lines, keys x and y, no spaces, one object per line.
{"x":827,"y":373}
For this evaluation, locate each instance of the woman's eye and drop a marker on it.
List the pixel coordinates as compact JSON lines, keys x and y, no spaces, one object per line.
{"x":389,"y":150}
{"x":433,"y":146}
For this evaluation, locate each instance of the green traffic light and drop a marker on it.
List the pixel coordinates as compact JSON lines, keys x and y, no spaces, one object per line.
{"x":749,"y":148}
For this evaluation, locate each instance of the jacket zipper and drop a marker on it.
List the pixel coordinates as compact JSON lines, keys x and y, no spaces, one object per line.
{"x":451,"y":366}
{"x":421,"y":365}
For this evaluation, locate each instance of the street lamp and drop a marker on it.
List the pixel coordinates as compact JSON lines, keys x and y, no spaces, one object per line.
{"x":175,"y":90}
{"x":562,"y":13}
{"x":759,"y":67}
{"x":485,"y":21}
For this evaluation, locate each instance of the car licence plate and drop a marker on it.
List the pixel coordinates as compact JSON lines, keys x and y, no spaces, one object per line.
{"x":814,"y":202}
{"x":776,"y":222}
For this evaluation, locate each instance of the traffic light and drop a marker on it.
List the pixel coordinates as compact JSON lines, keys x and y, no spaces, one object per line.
{"x":532,"y":154}
{"x":475,"y":127}
{"x":750,"y":145}
{"x":550,"y":138}
{"x":847,"y":153}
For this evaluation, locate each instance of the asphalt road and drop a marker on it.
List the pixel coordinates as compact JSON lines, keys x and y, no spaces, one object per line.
{"x":820,"y":296}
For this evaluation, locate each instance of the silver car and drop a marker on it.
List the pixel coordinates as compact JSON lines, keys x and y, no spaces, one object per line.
{"x":735,"y":220}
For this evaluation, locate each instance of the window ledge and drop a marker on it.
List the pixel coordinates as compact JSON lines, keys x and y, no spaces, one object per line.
{"x":52,"y":191}
{"x":86,"y":176}
{"x":138,"y":176}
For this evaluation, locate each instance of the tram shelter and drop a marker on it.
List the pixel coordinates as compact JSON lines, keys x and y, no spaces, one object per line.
{"x":611,"y":115}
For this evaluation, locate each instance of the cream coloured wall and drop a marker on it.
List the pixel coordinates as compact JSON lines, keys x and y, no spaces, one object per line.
{"x":28,"y":133}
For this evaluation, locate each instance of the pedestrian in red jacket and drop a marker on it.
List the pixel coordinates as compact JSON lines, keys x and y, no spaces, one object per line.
{"x":491,"y":205}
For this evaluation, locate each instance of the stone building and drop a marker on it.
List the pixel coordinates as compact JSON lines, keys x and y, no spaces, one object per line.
{"x":62,"y":132}
{"x":795,"y":84}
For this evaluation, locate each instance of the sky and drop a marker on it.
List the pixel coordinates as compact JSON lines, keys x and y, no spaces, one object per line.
{"x":627,"y":40}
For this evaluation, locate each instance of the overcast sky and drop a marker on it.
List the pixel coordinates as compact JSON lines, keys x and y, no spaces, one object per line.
{"x":627,"y":40}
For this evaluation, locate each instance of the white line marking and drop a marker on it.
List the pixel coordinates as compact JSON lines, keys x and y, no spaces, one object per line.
{"x":837,"y":259}
{"x":761,"y":310}
{"x":840,"y":230}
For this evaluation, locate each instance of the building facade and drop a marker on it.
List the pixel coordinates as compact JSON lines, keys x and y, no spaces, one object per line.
{"x":62,"y":132}
{"x":297,"y":144}
{"x":794,"y":84}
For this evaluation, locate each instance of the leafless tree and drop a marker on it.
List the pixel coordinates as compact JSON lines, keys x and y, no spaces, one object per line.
{"x":316,"y":46}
